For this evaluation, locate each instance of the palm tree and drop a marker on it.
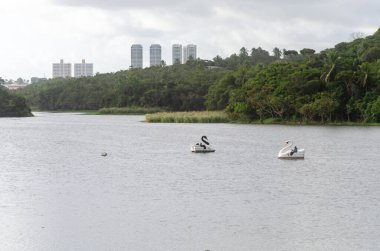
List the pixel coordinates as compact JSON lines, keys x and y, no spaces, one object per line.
{"x":331,"y":60}
{"x":364,"y":70}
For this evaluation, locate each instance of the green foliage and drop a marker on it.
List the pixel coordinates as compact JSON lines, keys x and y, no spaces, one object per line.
{"x":13,"y":105}
{"x":177,"y":88}
{"x":219,"y":94}
{"x":371,"y":55}
{"x":255,"y":57}
{"x":372,"y":113}
{"x":339,"y":84}
{"x":307,"y":51}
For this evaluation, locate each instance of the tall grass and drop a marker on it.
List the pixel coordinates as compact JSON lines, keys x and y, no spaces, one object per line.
{"x":129,"y":110}
{"x":188,"y":117}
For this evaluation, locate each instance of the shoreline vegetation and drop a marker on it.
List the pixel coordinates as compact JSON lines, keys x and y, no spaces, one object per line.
{"x":188,"y":117}
{"x":159,"y":115}
{"x":13,"y":105}
{"x":223,"y":117}
{"x":334,"y":86}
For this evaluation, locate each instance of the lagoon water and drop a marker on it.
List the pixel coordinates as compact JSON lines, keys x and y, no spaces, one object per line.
{"x":151,"y":193}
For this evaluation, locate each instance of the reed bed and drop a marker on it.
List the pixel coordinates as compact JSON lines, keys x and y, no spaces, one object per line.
{"x":129,"y":110}
{"x":188,"y":117}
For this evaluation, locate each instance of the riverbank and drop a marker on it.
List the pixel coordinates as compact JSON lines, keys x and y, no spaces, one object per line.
{"x":13,"y":105}
{"x":222,"y":117}
{"x":272,"y":121}
{"x":111,"y":111}
{"x":157,"y":115}
{"x":129,"y":110}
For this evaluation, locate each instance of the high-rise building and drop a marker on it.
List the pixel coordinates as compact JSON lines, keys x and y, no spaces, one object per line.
{"x":136,"y":56}
{"x":176,"y":54}
{"x":189,"y":51}
{"x":83,"y":69}
{"x":155,"y":55}
{"x":61,"y":70}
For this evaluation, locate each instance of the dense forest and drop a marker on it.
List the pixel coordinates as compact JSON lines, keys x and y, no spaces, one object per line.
{"x":336,"y":84}
{"x":178,"y":87}
{"x":12,"y":105}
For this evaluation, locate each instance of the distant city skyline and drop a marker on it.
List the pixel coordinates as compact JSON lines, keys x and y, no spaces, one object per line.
{"x":37,"y":33}
{"x":155,"y":55}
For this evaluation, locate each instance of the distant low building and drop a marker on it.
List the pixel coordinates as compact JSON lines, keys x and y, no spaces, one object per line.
{"x":212,"y":67}
{"x":61,"y":70}
{"x":35,"y":80}
{"x":83,"y":69}
{"x":15,"y":86}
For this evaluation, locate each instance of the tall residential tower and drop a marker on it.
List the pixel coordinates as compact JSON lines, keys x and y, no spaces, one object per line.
{"x":61,"y":70}
{"x":136,"y":56}
{"x":176,"y":54}
{"x":155,"y":55}
{"x":189,"y":51}
{"x":83,"y":69}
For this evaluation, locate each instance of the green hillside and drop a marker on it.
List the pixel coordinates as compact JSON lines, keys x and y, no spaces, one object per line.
{"x":337,"y":84}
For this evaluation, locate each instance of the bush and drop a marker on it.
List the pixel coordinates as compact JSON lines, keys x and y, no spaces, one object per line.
{"x":372,"y":112}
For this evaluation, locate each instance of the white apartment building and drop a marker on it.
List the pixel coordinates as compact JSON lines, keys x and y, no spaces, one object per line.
{"x":177,"y":54}
{"x":136,"y":56}
{"x":155,"y":55}
{"x":61,"y":70}
{"x":83,"y":69}
{"x":189,"y":51}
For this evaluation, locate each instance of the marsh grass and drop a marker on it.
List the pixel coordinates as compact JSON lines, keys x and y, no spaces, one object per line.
{"x":188,"y":117}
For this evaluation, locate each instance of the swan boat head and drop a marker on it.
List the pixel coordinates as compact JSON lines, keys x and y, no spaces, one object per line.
{"x":205,"y":140}
{"x":287,"y":152}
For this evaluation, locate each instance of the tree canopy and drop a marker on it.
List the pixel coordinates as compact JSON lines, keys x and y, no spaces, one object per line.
{"x":12,"y":105}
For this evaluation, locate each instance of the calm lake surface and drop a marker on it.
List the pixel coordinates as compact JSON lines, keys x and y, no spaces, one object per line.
{"x":151,"y":193}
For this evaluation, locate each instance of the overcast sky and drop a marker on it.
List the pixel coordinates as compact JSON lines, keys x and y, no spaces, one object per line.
{"x":37,"y":33}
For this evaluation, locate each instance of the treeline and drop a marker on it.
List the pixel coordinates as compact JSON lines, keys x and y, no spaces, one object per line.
{"x":174,"y":88}
{"x":12,"y":105}
{"x":337,"y":84}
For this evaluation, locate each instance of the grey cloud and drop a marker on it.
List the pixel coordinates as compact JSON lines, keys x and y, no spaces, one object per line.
{"x":292,"y":24}
{"x":325,"y":11}
{"x":132,"y":4}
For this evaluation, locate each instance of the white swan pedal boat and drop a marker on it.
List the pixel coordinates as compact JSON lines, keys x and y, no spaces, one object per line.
{"x":202,"y":147}
{"x":288,"y":153}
